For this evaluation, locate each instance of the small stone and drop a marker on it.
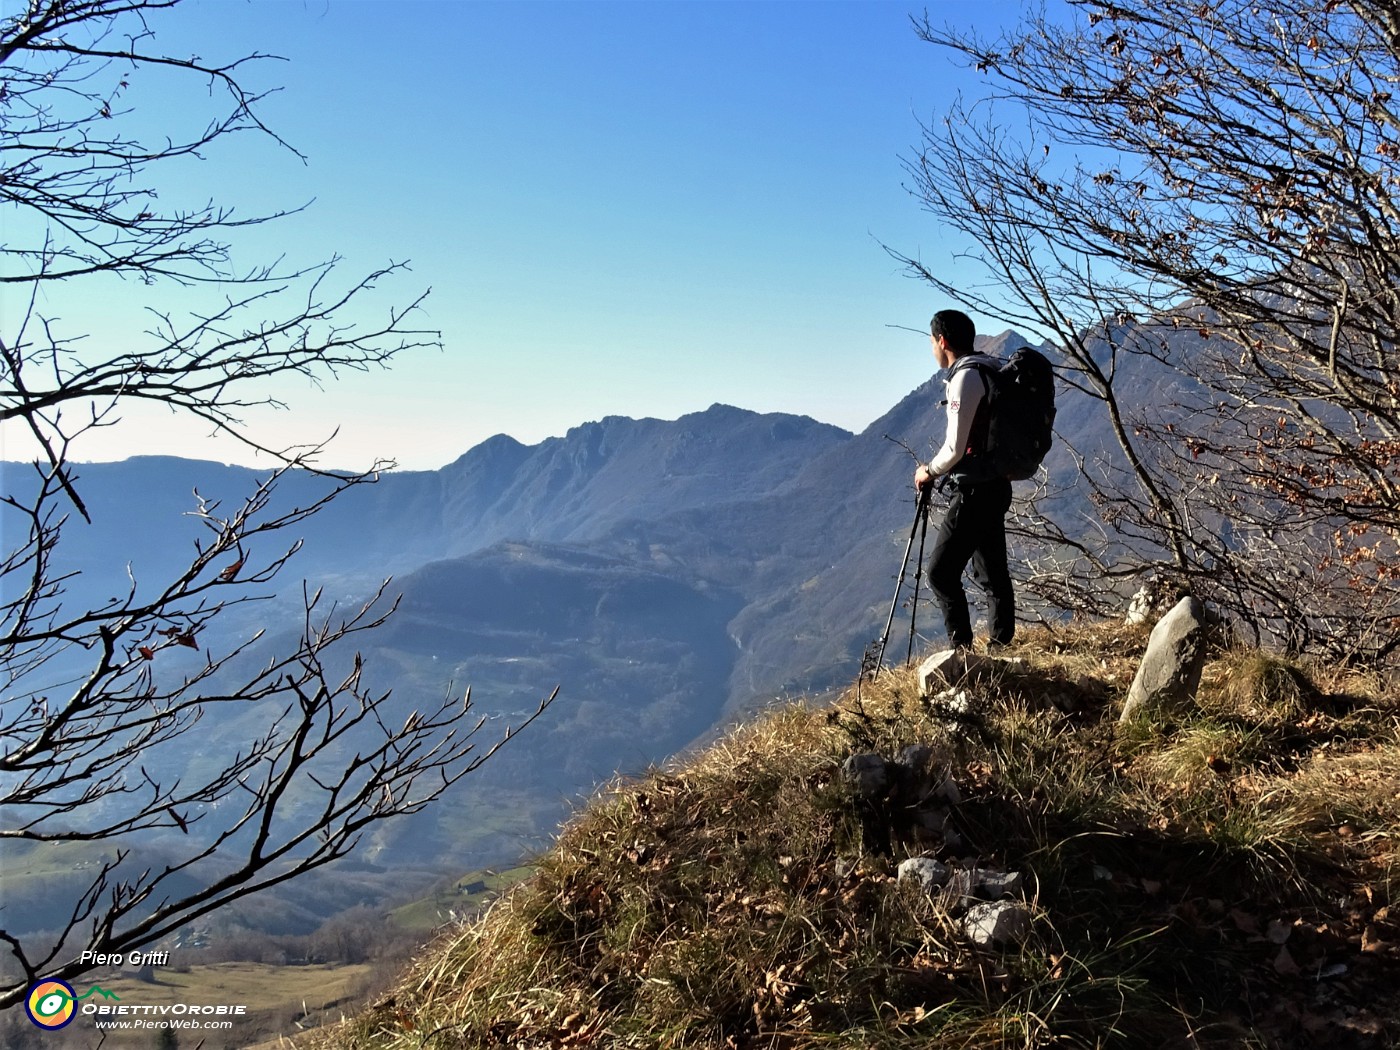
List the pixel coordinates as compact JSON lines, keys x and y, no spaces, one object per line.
{"x":927,"y":872}
{"x":1154,"y":596}
{"x":953,"y":707}
{"x":962,"y":884}
{"x":981,"y":883}
{"x":949,"y":668}
{"x":957,"y":701}
{"x":1278,"y":931}
{"x":994,"y":923}
{"x":867,"y":773}
{"x":994,"y":885}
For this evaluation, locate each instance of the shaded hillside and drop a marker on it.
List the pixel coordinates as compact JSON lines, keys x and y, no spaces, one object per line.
{"x":642,"y":656}
{"x":1223,"y":882}
{"x":642,"y":659}
{"x":816,"y":562}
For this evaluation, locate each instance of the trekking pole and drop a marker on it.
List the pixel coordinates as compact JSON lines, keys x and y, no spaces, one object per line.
{"x":918,"y":577}
{"x":924,"y":495}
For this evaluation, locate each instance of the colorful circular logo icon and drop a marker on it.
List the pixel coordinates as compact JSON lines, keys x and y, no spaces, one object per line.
{"x":51,"y":1004}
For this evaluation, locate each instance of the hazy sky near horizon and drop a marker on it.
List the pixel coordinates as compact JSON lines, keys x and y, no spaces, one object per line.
{"x":633,"y":209}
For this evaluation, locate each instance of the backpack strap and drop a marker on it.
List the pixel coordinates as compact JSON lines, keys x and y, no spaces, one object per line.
{"x":967,"y":361}
{"x":981,"y":420}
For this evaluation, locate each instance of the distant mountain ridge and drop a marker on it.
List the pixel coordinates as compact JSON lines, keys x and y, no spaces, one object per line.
{"x":569,"y":489}
{"x":574,"y":488}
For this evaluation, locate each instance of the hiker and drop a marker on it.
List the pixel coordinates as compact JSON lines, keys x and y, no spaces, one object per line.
{"x":974,"y":524}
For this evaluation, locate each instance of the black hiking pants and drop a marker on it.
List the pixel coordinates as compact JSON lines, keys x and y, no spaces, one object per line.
{"x":974,"y":529}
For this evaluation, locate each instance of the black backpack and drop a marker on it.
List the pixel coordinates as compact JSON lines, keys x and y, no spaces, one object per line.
{"x":1020,"y":413}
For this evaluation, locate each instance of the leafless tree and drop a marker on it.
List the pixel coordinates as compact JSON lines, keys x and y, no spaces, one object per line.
{"x":129,"y":719}
{"x":1196,"y":201}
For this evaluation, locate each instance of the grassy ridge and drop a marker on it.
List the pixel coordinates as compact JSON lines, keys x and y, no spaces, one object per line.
{"x":466,"y":896}
{"x":1225,"y":880}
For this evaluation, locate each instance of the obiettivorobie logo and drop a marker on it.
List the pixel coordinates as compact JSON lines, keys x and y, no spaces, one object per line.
{"x":52,"y":1004}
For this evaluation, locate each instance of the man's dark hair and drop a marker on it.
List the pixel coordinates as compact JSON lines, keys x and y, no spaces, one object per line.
{"x":956,"y":327}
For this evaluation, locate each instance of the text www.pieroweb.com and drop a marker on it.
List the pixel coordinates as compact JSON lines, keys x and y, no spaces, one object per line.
{"x":180,"y":1016}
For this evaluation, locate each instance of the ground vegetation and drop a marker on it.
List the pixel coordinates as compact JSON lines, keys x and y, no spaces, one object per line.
{"x":1225,"y":879}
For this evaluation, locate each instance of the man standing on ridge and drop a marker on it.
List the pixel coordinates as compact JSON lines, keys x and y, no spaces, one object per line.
{"x":974,"y":525}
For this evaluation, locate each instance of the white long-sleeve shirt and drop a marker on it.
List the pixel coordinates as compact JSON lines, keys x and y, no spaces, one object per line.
{"x":965,"y":390}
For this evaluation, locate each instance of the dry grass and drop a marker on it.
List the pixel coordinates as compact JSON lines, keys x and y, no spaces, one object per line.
{"x":1184,"y":879}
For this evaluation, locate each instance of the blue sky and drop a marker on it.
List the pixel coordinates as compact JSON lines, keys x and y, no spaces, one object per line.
{"x":620,"y":208}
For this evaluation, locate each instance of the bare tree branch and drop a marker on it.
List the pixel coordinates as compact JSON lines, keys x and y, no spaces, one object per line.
{"x":147,"y":713}
{"x":1201,"y":214}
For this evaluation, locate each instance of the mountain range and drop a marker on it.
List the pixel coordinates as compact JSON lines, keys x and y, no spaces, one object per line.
{"x":668,"y":576}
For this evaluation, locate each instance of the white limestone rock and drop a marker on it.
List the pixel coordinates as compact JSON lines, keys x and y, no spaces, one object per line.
{"x":992,"y":924}
{"x":1170,"y":673}
{"x":950,"y":667}
{"x":930,"y":874}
